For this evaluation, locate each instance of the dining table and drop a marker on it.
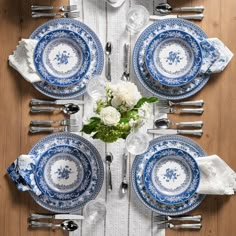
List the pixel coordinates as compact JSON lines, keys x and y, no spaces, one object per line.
{"x":125,"y":215}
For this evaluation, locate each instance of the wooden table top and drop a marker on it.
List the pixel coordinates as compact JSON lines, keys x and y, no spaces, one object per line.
{"x":219,"y":132}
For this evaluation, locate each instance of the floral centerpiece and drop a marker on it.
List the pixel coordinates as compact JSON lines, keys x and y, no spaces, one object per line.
{"x":121,"y":110}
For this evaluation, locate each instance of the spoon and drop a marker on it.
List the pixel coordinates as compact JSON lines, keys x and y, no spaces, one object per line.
{"x":67,"y":225}
{"x":69,"y":109}
{"x":109,"y":158}
{"x":108,"y":49}
{"x":165,"y":8}
{"x":124,"y":183}
{"x":125,"y":75}
{"x":164,"y":123}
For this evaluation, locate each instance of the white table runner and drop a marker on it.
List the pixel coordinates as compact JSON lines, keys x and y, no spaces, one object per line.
{"x":126,"y":216}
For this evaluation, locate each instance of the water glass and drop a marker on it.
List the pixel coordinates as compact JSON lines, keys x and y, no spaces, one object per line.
{"x":136,"y":18}
{"x":137,"y":143}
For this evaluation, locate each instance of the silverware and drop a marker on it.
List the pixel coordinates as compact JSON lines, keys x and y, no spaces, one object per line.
{"x":35,"y":216}
{"x":67,"y":109}
{"x":124,"y":184}
{"x":125,"y":75}
{"x":67,"y":225}
{"x":65,"y":14}
{"x":164,"y":123}
{"x":61,"y":8}
{"x":180,"y":226}
{"x":168,"y":110}
{"x":34,"y":102}
{"x":67,"y":122}
{"x":197,"y":103}
{"x":196,"y":132}
{"x":186,"y":17}
{"x":39,"y":129}
{"x":164,"y":219}
{"x":109,"y":158}
{"x":108,"y":50}
{"x":165,"y":8}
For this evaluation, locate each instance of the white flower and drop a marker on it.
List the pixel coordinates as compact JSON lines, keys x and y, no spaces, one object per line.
{"x":145,"y":111}
{"x":109,"y":116}
{"x":125,"y":94}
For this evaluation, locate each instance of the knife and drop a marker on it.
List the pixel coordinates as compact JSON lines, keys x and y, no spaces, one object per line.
{"x":186,"y":17}
{"x":34,"y":102}
{"x":196,"y":132}
{"x":34,"y":216}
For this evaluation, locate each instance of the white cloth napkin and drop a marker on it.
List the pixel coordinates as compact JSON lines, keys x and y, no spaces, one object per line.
{"x":216,"y":176}
{"x":22,"y":60}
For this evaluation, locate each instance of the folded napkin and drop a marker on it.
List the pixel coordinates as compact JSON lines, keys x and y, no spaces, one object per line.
{"x":216,"y":176}
{"x":22,"y":60}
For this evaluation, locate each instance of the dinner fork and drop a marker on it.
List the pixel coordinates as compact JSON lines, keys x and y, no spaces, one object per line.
{"x":61,"y":8}
{"x":39,"y":129}
{"x":197,"y":103}
{"x":70,"y":122}
{"x":179,"y":226}
{"x":65,"y":14}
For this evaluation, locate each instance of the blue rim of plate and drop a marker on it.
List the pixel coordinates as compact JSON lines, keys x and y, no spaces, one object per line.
{"x":166,"y":194}
{"x":96,"y":52}
{"x":163,"y":142}
{"x":153,"y":86}
{"x":43,"y":179}
{"x":48,"y":67}
{"x":189,"y":69}
{"x":91,"y":154}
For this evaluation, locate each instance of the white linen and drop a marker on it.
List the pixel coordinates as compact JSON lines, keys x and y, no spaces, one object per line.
{"x":216,"y":176}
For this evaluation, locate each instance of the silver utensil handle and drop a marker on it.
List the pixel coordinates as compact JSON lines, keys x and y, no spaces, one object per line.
{"x":42,"y":109}
{"x":125,"y":159}
{"x":37,"y":15}
{"x":42,"y":122}
{"x":198,"y":103}
{"x":34,"y":216}
{"x":188,"y":226}
{"x":191,"y":17}
{"x":198,"y":111}
{"x":196,"y":124}
{"x":126,"y":61}
{"x":109,"y":179}
{"x":108,"y":69}
{"x":39,"y":8}
{"x":34,"y":101}
{"x":196,"y":132}
{"x":34,"y":129}
{"x":196,"y":218}
{"x":199,"y":9}
{"x":42,"y":224}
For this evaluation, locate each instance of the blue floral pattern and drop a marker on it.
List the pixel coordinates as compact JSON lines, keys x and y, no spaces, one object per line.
{"x":62,"y":57}
{"x":170,"y":175}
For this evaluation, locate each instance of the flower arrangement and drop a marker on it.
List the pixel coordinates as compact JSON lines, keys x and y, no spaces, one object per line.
{"x":121,"y":110}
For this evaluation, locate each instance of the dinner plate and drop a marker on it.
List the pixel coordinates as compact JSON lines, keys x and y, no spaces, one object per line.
{"x":161,"y":143}
{"x":152,"y":85}
{"x":171,"y":176}
{"x":62,"y":57}
{"x":62,"y":154}
{"x":96,"y":54}
{"x":173,"y":58}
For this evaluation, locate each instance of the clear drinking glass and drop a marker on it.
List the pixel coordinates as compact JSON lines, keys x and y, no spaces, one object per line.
{"x":94,"y":211}
{"x":136,"y":18}
{"x":137,"y":143}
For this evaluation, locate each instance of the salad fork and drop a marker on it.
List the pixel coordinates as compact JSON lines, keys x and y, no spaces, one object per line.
{"x":65,"y":14}
{"x":179,"y":226}
{"x":61,"y":8}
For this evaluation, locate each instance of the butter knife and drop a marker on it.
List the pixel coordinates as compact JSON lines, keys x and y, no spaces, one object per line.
{"x":35,"y":216}
{"x":34,"y":102}
{"x":195,"y":132}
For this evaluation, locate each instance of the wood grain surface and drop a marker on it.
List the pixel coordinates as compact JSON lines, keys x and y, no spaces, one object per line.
{"x":219,"y":117}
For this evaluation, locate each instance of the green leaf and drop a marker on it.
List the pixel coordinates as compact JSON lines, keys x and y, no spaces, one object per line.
{"x":145,"y":99}
{"x":91,"y":126}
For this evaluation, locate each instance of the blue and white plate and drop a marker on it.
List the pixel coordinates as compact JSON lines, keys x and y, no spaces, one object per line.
{"x":173,"y":58}
{"x":62,"y":57}
{"x":171,"y":176}
{"x":71,"y":169}
{"x":162,"y":143}
{"x":96,"y":55}
{"x":152,"y":85}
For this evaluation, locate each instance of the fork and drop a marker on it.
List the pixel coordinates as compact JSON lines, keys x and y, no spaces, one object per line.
{"x":39,"y":129}
{"x":67,"y":122}
{"x":65,"y":14}
{"x":179,"y":226}
{"x":197,"y":103}
{"x":61,"y":8}
{"x":163,"y":219}
{"x":169,"y":110}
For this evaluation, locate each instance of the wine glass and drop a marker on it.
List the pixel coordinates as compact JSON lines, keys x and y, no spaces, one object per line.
{"x":94,"y":211}
{"x":137,"y":142}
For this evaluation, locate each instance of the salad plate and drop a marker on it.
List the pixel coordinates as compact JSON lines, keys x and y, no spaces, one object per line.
{"x":173,"y":58}
{"x":96,"y":57}
{"x":152,"y":85}
{"x":162,"y":143}
{"x":62,"y":57}
{"x":171,"y":176}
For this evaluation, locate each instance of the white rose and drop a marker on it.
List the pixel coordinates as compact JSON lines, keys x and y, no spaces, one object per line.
{"x":109,"y":116}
